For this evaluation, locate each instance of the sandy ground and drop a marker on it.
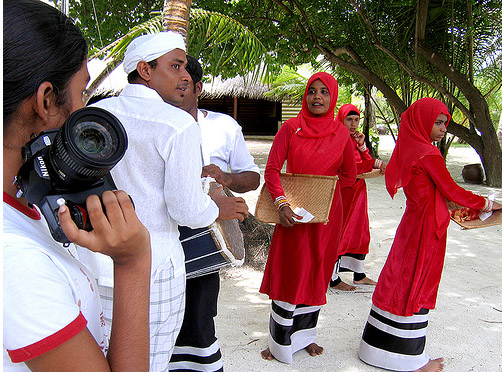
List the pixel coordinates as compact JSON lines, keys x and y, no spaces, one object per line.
{"x":465,"y":328}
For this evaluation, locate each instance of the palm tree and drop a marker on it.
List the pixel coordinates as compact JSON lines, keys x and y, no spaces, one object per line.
{"x":225,"y":46}
{"x":175,"y":16}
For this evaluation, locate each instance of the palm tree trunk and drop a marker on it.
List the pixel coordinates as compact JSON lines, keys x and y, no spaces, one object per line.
{"x":175,"y":16}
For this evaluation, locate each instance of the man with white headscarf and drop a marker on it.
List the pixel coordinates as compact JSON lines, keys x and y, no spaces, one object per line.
{"x":161,"y":172}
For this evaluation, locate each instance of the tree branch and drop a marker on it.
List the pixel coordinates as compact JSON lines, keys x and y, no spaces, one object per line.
{"x":463,"y":84}
{"x":432,"y":84}
{"x":421,"y":20}
{"x":470,"y":137}
{"x":422,"y":7}
{"x":361,"y":69}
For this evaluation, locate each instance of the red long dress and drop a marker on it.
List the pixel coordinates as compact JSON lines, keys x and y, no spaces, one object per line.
{"x":356,"y":232}
{"x":302,"y":258}
{"x":410,"y":278}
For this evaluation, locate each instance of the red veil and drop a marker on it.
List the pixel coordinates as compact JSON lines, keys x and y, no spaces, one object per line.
{"x":344,"y":111}
{"x":413,"y":141}
{"x":319,"y":126}
{"x":331,"y":136}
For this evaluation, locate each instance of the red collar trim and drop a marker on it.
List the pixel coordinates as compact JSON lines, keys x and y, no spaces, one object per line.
{"x":14,"y":203}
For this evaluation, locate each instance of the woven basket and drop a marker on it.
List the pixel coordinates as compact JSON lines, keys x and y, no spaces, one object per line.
{"x":312,"y":192}
{"x":371,"y":174}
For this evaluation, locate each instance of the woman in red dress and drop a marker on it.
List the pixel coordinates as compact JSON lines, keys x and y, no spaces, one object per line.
{"x":302,"y":256}
{"x":355,"y":241}
{"x":394,"y":336}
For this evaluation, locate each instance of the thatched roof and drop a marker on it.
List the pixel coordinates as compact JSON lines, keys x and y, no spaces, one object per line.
{"x":235,"y":87}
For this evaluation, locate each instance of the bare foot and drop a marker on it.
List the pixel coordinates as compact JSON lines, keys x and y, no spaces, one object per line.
{"x":366,"y":281}
{"x":313,"y":349}
{"x":267,"y":355}
{"x":434,"y":365}
{"x":342,"y":286}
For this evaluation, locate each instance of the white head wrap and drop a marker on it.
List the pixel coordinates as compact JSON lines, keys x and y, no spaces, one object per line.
{"x":149,"y":47}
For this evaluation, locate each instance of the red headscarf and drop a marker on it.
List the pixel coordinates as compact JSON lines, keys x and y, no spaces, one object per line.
{"x":344,"y":111}
{"x":414,"y":141}
{"x":313,"y":126}
{"x":317,"y":134}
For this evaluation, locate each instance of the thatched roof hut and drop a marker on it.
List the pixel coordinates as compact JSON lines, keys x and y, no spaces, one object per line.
{"x":237,"y":86}
{"x":245,"y":102}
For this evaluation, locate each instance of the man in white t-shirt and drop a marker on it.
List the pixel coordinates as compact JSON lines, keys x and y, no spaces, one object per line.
{"x":161,"y":172}
{"x":228,"y":161}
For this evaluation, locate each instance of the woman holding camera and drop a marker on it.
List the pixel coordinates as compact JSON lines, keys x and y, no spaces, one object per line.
{"x":52,"y":312}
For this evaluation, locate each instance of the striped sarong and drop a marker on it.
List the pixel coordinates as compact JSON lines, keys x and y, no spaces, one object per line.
{"x":352,"y":262}
{"x":292,"y":328}
{"x":395,"y":342}
{"x":190,"y":358}
{"x":196,"y":347}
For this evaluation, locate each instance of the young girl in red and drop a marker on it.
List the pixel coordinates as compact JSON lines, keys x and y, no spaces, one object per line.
{"x":394,"y":336}
{"x":355,"y":241}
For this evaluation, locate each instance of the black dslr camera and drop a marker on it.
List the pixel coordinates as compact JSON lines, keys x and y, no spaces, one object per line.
{"x":68,"y":164}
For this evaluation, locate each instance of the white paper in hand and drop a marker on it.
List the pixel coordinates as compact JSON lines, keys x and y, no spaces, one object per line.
{"x":484,"y":215}
{"x":307,"y":216}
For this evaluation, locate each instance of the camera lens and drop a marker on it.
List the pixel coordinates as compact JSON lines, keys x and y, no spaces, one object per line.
{"x":94,"y":140}
{"x":88,"y":145}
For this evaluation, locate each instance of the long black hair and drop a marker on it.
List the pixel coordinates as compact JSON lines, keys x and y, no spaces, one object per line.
{"x":39,"y":44}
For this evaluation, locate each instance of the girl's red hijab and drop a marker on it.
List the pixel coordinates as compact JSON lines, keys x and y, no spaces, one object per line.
{"x":320,"y":136}
{"x":319,"y":126}
{"x":344,"y":111}
{"x":413,"y":141}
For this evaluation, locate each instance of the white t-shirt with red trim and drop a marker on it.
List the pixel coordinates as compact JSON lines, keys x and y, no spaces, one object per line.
{"x":48,"y":295}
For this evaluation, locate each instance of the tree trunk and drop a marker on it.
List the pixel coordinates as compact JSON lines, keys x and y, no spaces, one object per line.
{"x":499,"y":131}
{"x":175,"y":16}
{"x":486,"y":144}
{"x":369,"y":120}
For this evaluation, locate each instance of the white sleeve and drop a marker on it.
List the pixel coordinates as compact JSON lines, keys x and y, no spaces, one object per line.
{"x":240,"y":158}
{"x":39,"y":308}
{"x":186,"y":202}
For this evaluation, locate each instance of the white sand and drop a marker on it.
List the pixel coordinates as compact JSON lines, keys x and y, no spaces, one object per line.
{"x":465,"y":328}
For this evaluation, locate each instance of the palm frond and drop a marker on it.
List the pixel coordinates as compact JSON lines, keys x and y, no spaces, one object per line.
{"x":225,"y":46}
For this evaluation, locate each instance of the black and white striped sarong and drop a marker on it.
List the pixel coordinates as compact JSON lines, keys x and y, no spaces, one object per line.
{"x":197,"y":348}
{"x":292,"y":328}
{"x":348,"y":262}
{"x":352,"y":262}
{"x":395,"y":342}
{"x":190,"y":358}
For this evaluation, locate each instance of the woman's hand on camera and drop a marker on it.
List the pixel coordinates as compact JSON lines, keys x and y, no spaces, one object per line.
{"x":286,"y":215}
{"x":118,"y":233}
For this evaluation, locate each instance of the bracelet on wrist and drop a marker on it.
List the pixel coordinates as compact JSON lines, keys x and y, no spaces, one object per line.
{"x":378,"y":164}
{"x":281,"y":202}
{"x":282,"y":206}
